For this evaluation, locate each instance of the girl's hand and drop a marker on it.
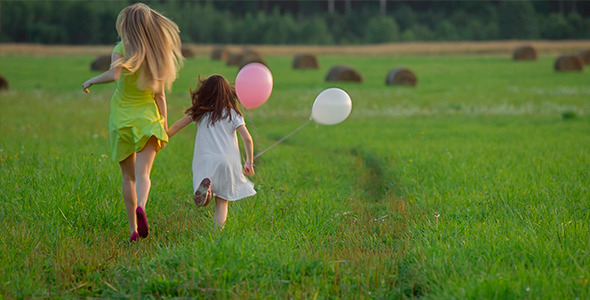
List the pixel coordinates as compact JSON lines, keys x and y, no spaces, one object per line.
{"x":249,"y":168}
{"x":85,"y":86}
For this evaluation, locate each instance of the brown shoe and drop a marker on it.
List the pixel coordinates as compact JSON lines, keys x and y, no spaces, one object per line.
{"x":203,"y":194}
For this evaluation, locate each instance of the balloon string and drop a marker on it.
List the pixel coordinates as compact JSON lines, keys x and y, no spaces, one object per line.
{"x":282,"y":139}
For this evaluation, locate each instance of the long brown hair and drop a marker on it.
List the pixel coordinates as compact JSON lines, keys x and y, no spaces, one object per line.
{"x":152,"y":46}
{"x":214,"y":95}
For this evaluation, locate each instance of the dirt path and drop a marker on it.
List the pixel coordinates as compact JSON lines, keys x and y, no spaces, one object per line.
{"x":414,"y":48}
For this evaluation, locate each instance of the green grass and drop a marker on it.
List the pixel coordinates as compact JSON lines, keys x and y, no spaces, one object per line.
{"x":474,"y":184}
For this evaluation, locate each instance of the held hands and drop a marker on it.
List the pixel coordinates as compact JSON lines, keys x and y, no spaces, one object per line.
{"x":249,"y":168}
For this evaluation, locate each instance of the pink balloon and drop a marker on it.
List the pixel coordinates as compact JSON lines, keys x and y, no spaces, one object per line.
{"x":253,"y":85}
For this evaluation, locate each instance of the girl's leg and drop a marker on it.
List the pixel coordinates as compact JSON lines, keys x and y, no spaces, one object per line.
{"x":128,"y":188}
{"x":220,"y":212}
{"x":143,"y":168}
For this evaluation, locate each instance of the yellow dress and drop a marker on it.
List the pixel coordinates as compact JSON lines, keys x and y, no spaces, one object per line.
{"x":134,"y":118}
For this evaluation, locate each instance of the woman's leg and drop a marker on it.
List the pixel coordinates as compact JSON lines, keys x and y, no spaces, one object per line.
{"x":128,"y":188}
{"x":220,"y":216}
{"x":143,"y":168}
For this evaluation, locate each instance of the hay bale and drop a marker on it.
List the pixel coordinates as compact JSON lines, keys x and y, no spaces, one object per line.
{"x":3,"y":83}
{"x":524,"y":53}
{"x":568,"y":63}
{"x":585,"y":56}
{"x":250,"y":52}
{"x":305,"y":61}
{"x":234,"y":58}
{"x":187,"y":52}
{"x":401,"y":76}
{"x":246,"y":59}
{"x":344,"y":73}
{"x":101,"y":63}
{"x":220,"y":53}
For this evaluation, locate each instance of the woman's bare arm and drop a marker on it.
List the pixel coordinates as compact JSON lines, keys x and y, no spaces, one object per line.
{"x":160,"y":98}
{"x":109,"y":76}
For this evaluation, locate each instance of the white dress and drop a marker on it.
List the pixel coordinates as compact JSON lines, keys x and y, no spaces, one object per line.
{"x":217,"y":157}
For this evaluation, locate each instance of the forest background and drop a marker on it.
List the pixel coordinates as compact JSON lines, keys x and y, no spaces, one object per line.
{"x":304,"y":22}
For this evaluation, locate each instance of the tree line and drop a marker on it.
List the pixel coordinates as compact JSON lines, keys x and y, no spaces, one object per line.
{"x":303,"y":22}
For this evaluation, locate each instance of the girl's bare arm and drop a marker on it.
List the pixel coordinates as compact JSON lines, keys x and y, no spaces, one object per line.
{"x":109,"y":76}
{"x":178,"y":125}
{"x":249,"y":148}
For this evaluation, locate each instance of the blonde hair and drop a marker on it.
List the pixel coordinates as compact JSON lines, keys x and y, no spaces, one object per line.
{"x":151,"y":45}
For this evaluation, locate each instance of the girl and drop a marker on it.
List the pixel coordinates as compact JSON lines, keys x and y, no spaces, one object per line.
{"x":148,"y":58}
{"x":217,"y":169}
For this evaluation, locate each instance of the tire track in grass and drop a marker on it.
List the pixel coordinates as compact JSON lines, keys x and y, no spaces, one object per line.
{"x":375,"y":234}
{"x":369,"y":251}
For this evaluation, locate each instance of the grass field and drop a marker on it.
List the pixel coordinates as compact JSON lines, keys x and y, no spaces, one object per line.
{"x":474,"y":184}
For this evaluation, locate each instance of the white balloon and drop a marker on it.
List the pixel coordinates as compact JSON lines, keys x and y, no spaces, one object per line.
{"x":331,"y":106}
